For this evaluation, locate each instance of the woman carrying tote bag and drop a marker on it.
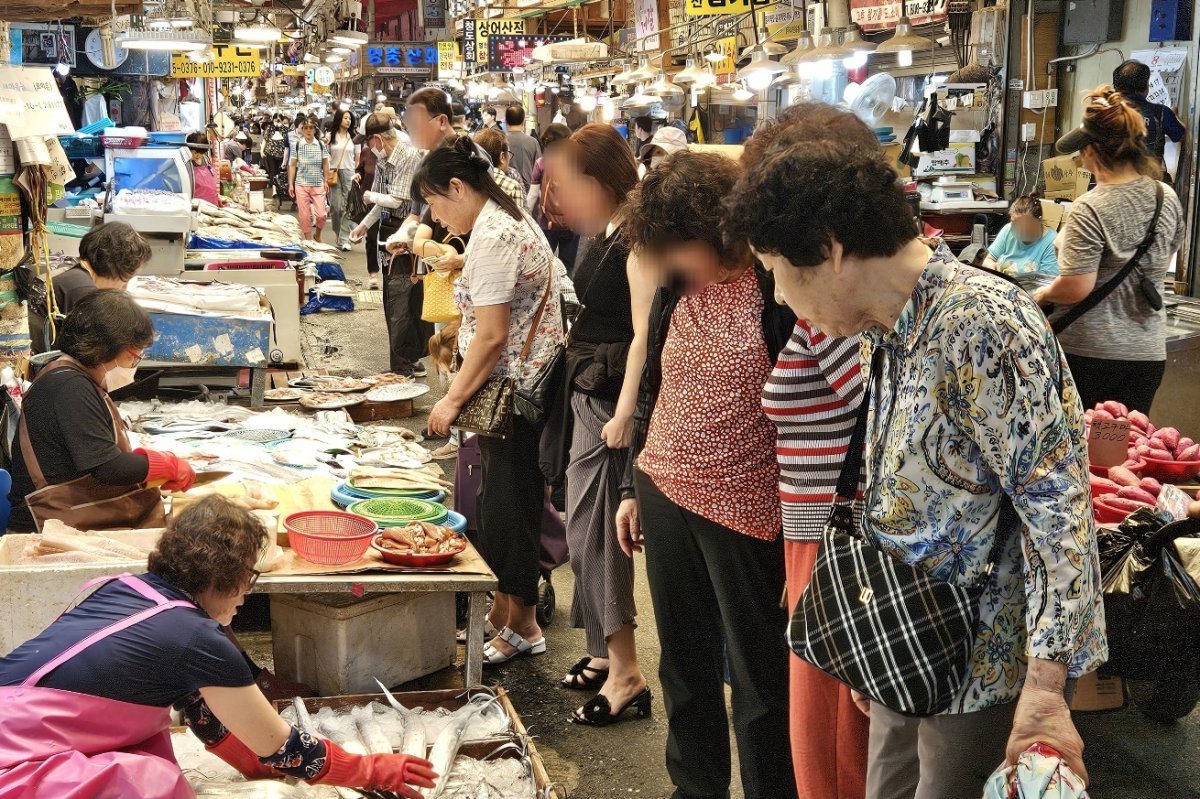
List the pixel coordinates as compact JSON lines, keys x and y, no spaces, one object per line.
{"x":510,"y":329}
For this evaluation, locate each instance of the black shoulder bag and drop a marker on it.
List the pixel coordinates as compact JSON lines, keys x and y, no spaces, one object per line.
{"x":886,"y":629}
{"x":1149,"y":290}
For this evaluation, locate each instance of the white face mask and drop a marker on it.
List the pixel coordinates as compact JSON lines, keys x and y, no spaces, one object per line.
{"x":379,"y":152}
{"x":118,"y":377}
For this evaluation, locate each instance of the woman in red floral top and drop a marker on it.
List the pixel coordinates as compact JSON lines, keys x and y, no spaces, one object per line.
{"x":706,"y":484}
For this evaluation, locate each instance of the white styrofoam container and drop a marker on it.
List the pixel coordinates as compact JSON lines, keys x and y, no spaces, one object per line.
{"x":339,"y":644}
{"x":34,"y":596}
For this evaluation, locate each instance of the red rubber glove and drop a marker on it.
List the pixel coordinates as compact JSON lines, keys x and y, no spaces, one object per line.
{"x":169,"y":471}
{"x":242,"y":758}
{"x":394,"y":773}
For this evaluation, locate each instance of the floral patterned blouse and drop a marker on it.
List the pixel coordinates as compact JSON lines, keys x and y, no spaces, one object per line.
{"x":976,"y":399}
{"x":508,"y":261}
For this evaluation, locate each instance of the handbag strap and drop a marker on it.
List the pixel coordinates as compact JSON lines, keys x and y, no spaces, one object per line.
{"x":537,"y":319}
{"x":1098,"y":296}
{"x":847,"y":485}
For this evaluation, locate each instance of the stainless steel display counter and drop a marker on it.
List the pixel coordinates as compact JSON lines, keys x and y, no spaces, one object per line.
{"x":1178,"y":400}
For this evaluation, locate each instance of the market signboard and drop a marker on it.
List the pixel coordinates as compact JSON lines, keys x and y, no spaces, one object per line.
{"x":700,"y":8}
{"x":877,"y":15}
{"x":229,"y":61}
{"x":784,"y":22}
{"x":476,"y":33}
{"x":400,"y":58}
{"x":30,"y":103}
{"x":449,"y":61}
{"x":646,"y":23}
{"x":506,"y":52}
{"x":728,"y":65}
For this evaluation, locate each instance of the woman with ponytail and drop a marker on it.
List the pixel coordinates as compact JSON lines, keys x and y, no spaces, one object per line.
{"x":507,"y":271}
{"x":1116,"y":346}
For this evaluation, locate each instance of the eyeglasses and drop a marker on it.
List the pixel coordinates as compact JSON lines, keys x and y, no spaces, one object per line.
{"x":254,"y":575}
{"x":137,"y":356}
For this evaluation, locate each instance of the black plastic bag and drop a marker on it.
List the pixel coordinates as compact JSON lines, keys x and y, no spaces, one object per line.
{"x":1116,"y":542}
{"x":1152,"y":609}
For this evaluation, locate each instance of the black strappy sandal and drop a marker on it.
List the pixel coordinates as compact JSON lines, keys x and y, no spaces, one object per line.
{"x":598,"y":712}
{"x":586,"y":677}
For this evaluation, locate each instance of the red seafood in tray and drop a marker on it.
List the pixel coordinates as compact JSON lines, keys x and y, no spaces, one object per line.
{"x":419,"y":544}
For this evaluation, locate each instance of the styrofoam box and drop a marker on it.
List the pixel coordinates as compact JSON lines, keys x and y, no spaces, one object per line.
{"x":339,"y":644}
{"x":35,"y":595}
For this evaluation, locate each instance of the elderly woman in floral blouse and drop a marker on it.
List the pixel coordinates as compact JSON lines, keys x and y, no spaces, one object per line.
{"x":975,"y":404}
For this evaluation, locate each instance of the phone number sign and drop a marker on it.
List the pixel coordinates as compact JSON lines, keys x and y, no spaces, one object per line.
{"x":229,"y":62}
{"x":877,"y":15}
{"x":700,"y":8}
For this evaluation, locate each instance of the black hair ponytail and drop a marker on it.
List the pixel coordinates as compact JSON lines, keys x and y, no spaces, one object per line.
{"x":461,"y":158}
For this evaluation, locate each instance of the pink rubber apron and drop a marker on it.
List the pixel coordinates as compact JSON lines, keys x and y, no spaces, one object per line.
{"x":206,"y":185}
{"x":65,"y":745}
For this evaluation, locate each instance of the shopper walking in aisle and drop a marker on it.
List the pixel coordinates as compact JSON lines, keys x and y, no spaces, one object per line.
{"x":489,"y":119}
{"x":593,"y":420}
{"x":1113,"y":332}
{"x":307,"y":173}
{"x":525,"y":149}
{"x":975,"y":461}
{"x":495,"y":144}
{"x":343,"y":160}
{"x":1024,"y":248}
{"x":389,"y":198}
{"x":707,"y":484}
{"x":274,"y":144}
{"x":511,"y":322}
{"x":87,"y":704}
{"x":813,"y":396}
{"x":206,"y":183}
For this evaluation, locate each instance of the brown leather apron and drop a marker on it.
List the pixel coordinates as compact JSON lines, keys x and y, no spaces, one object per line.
{"x":85,"y":503}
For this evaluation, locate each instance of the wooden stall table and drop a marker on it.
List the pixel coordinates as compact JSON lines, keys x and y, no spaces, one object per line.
{"x":476,"y":583}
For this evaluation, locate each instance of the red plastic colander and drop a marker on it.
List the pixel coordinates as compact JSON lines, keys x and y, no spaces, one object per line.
{"x":329,"y":537}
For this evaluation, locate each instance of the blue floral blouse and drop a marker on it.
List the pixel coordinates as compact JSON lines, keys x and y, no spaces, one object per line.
{"x":976,"y":399}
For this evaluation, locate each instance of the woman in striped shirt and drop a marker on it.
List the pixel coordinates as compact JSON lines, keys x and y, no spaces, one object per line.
{"x":813,"y":396}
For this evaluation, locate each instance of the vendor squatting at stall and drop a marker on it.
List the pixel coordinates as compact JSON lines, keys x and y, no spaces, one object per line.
{"x":86,"y":703}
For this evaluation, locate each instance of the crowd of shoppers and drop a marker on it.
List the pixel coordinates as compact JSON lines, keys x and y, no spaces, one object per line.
{"x":735,"y":374}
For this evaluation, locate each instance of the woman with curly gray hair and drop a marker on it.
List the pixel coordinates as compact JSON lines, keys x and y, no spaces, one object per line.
{"x":977,"y":473}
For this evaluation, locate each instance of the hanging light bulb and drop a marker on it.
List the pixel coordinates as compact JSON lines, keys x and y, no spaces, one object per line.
{"x":643,"y":72}
{"x":689,"y":73}
{"x":804,"y":46}
{"x":769,"y":47}
{"x":663,"y":87}
{"x":742,"y":94}
{"x":258,"y":30}
{"x":586,"y":102}
{"x":859,"y":49}
{"x":827,"y":50}
{"x":903,"y":42}
{"x":714,"y":56}
{"x":786,"y":79}
{"x":334,"y":58}
{"x":761,"y":69}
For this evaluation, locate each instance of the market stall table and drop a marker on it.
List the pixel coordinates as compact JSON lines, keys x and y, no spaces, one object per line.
{"x":360,"y":585}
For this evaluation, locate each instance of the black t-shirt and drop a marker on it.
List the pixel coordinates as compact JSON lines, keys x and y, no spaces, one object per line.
{"x":603,"y":287}
{"x":71,"y":431}
{"x":156,"y":662}
{"x":70,"y":287}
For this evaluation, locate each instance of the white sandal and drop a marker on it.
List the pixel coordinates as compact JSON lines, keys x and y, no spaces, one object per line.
{"x":494,"y":657}
{"x":489,"y":632}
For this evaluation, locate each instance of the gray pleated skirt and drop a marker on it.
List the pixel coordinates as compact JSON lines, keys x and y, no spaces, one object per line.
{"x":603,"y":599}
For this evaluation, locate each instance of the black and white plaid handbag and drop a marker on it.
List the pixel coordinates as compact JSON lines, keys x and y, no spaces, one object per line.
{"x":886,"y":629}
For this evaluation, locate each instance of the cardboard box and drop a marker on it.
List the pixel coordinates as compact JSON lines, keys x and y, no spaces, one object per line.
{"x":958,"y":159}
{"x":1094,"y":693}
{"x":1053,"y":214}
{"x":1064,"y":179}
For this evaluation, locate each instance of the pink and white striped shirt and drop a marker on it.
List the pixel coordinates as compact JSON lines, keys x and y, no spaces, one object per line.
{"x":813,"y":397}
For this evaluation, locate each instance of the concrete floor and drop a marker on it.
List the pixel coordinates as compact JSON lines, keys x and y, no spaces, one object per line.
{"x":1129,"y":757}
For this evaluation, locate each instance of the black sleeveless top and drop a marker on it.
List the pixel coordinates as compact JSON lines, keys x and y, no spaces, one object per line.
{"x":603,"y":289}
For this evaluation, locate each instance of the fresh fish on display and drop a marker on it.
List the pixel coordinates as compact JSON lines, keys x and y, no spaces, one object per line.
{"x":445,"y":748}
{"x":501,"y":778}
{"x":302,"y":719}
{"x":371,"y":731}
{"x":414,"y":743}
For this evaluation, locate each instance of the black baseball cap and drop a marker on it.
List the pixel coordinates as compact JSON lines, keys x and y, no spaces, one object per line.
{"x":1075,"y":140}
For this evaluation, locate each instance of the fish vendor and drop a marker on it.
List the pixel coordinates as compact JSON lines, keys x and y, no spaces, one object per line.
{"x":72,"y":460}
{"x":85,"y":706}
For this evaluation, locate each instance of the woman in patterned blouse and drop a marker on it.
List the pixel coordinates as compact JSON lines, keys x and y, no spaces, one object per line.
{"x":706,"y":481}
{"x":975,"y":404}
